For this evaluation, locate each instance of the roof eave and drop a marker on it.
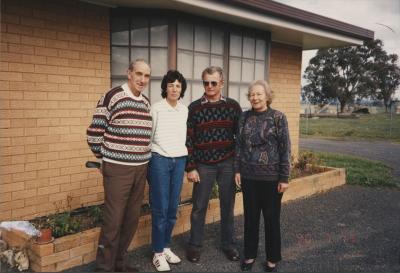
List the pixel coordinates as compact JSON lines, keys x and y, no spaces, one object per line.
{"x":283,"y":29}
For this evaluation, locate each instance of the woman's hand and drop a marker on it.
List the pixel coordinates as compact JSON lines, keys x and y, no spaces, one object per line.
{"x":282,"y":187}
{"x":238,"y":180}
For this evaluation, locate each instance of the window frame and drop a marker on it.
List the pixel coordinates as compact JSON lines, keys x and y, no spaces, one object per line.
{"x":172,"y":18}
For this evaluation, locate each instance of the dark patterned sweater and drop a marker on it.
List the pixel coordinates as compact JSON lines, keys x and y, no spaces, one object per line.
{"x":211,"y":133}
{"x":263,"y":146}
{"x":120,"y":131}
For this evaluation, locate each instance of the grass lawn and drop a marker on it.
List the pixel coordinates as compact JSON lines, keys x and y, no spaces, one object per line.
{"x":370,"y":126}
{"x":360,"y":171}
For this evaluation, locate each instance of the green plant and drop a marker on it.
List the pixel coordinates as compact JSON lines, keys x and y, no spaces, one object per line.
{"x":307,"y":160}
{"x":64,"y":224}
{"x":214,"y":191}
{"x":96,"y":213}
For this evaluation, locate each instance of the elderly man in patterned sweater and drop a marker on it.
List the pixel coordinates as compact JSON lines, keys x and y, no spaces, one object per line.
{"x":120,"y":135}
{"x":212,"y":125}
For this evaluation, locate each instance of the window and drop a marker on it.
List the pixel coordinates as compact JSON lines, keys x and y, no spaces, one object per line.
{"x":140,"y":37}
{"x":189,"y":45}
{"x":247,"y":61}
{"x":198,"y":47}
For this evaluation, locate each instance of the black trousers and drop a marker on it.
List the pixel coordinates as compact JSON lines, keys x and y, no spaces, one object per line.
{"x":262,"y":196}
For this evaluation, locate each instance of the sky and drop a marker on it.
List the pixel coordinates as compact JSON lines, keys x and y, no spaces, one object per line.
{"x":380,"y":16}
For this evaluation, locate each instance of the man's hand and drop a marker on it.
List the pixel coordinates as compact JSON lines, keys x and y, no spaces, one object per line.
{"x":238,"y":181}
{"x":193,"y":176}
{"x":282,"y":187}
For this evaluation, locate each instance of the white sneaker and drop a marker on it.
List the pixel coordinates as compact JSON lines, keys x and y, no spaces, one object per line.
{"x":160,"y":262}
{"x":171,"y":257}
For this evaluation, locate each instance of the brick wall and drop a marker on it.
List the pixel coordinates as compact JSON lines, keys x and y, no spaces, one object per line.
{"x":55,"y":64}
{"x":285,"y":80}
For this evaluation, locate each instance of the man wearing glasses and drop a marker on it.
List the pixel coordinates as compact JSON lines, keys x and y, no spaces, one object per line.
{"x":212,"y":125}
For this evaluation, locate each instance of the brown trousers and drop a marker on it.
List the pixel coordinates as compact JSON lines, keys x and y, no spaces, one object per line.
{"x":123,"y":196}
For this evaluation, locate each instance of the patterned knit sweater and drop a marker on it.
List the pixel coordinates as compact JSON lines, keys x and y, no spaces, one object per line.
{"x":263,"y":146}
{"x":211,"y":131}
{"x":120,"y":131}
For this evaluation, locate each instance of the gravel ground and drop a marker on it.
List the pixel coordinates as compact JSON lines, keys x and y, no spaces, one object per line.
{"x":348,"y":229}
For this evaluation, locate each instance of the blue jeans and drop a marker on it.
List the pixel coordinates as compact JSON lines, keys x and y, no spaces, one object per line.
{"x":165,"y":184}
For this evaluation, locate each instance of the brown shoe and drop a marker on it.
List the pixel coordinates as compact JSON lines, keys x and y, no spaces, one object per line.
{"x":126,"y":268}
{"x":232,"y":254}
{"x":193,"y":254}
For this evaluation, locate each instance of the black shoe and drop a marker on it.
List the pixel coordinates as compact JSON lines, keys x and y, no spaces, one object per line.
{"x":246,"y":266}
{"x":232,"y":254}
{"x":267,"y":268}
{"x":193,"y":254}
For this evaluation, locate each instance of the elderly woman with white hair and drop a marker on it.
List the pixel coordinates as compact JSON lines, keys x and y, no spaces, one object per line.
{"x":262,"y":166}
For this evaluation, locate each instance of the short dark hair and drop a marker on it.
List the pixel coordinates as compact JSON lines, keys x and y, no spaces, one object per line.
{"x":170,"y":77}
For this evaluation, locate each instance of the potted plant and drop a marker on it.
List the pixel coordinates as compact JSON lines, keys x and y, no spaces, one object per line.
{"x":45,"y":229}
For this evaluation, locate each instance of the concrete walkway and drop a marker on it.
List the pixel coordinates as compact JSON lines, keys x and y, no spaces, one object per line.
{"x":384,"y":151}
{"x":350,"y":228}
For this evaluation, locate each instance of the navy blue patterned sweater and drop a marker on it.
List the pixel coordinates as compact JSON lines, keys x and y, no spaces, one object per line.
{"x":211,"y":128}
{"x":263,"y":146}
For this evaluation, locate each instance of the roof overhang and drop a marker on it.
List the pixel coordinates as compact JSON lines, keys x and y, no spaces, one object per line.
{"x":287,"y":25}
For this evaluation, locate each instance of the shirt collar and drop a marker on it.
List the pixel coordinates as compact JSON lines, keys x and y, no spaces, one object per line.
{"x":204,"y":99}
{"x":127,"y":90}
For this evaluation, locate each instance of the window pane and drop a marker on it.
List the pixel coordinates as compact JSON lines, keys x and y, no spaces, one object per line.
{"x":187,"y":99}
{"x":159,"y":32}
{"x":155,"y":93}
{"x":234,"y":91}
{"x":201,"y":61}
{"x":247,"y":70}
{"x":202,"y":38}
{"x":140,"y":53}
{"x":217,"y":41}
{"x":217,"y":61}
{"x":140,"y":31}
{"x":185,"y":35}
{"x":235,"y":48}
{"x":159,"y":61}
{"x":197,"y":91}
{"x":117,"y":82}
{"x":260,"y":71}
{"x":244,"y":102}
{"x":120,"y":31}
{"x":120,"y":60}
{"x":260,"y":49}
{"x":234,"y":70}
{"x":185,"y":64}
{"x":248,"y":47}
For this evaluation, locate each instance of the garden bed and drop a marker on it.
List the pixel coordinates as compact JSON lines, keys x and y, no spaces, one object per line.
{"x":80,"y":248}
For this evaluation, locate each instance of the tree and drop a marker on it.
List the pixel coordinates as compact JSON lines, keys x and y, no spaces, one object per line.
{"x":351,"y":72}
{"x":385,"y":78}
{"x":334,"y":73}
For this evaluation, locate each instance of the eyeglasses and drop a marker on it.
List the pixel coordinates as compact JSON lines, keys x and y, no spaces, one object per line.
{"x":207,"y":83}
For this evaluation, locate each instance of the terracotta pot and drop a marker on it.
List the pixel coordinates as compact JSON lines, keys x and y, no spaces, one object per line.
{"x":45,"y":236}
